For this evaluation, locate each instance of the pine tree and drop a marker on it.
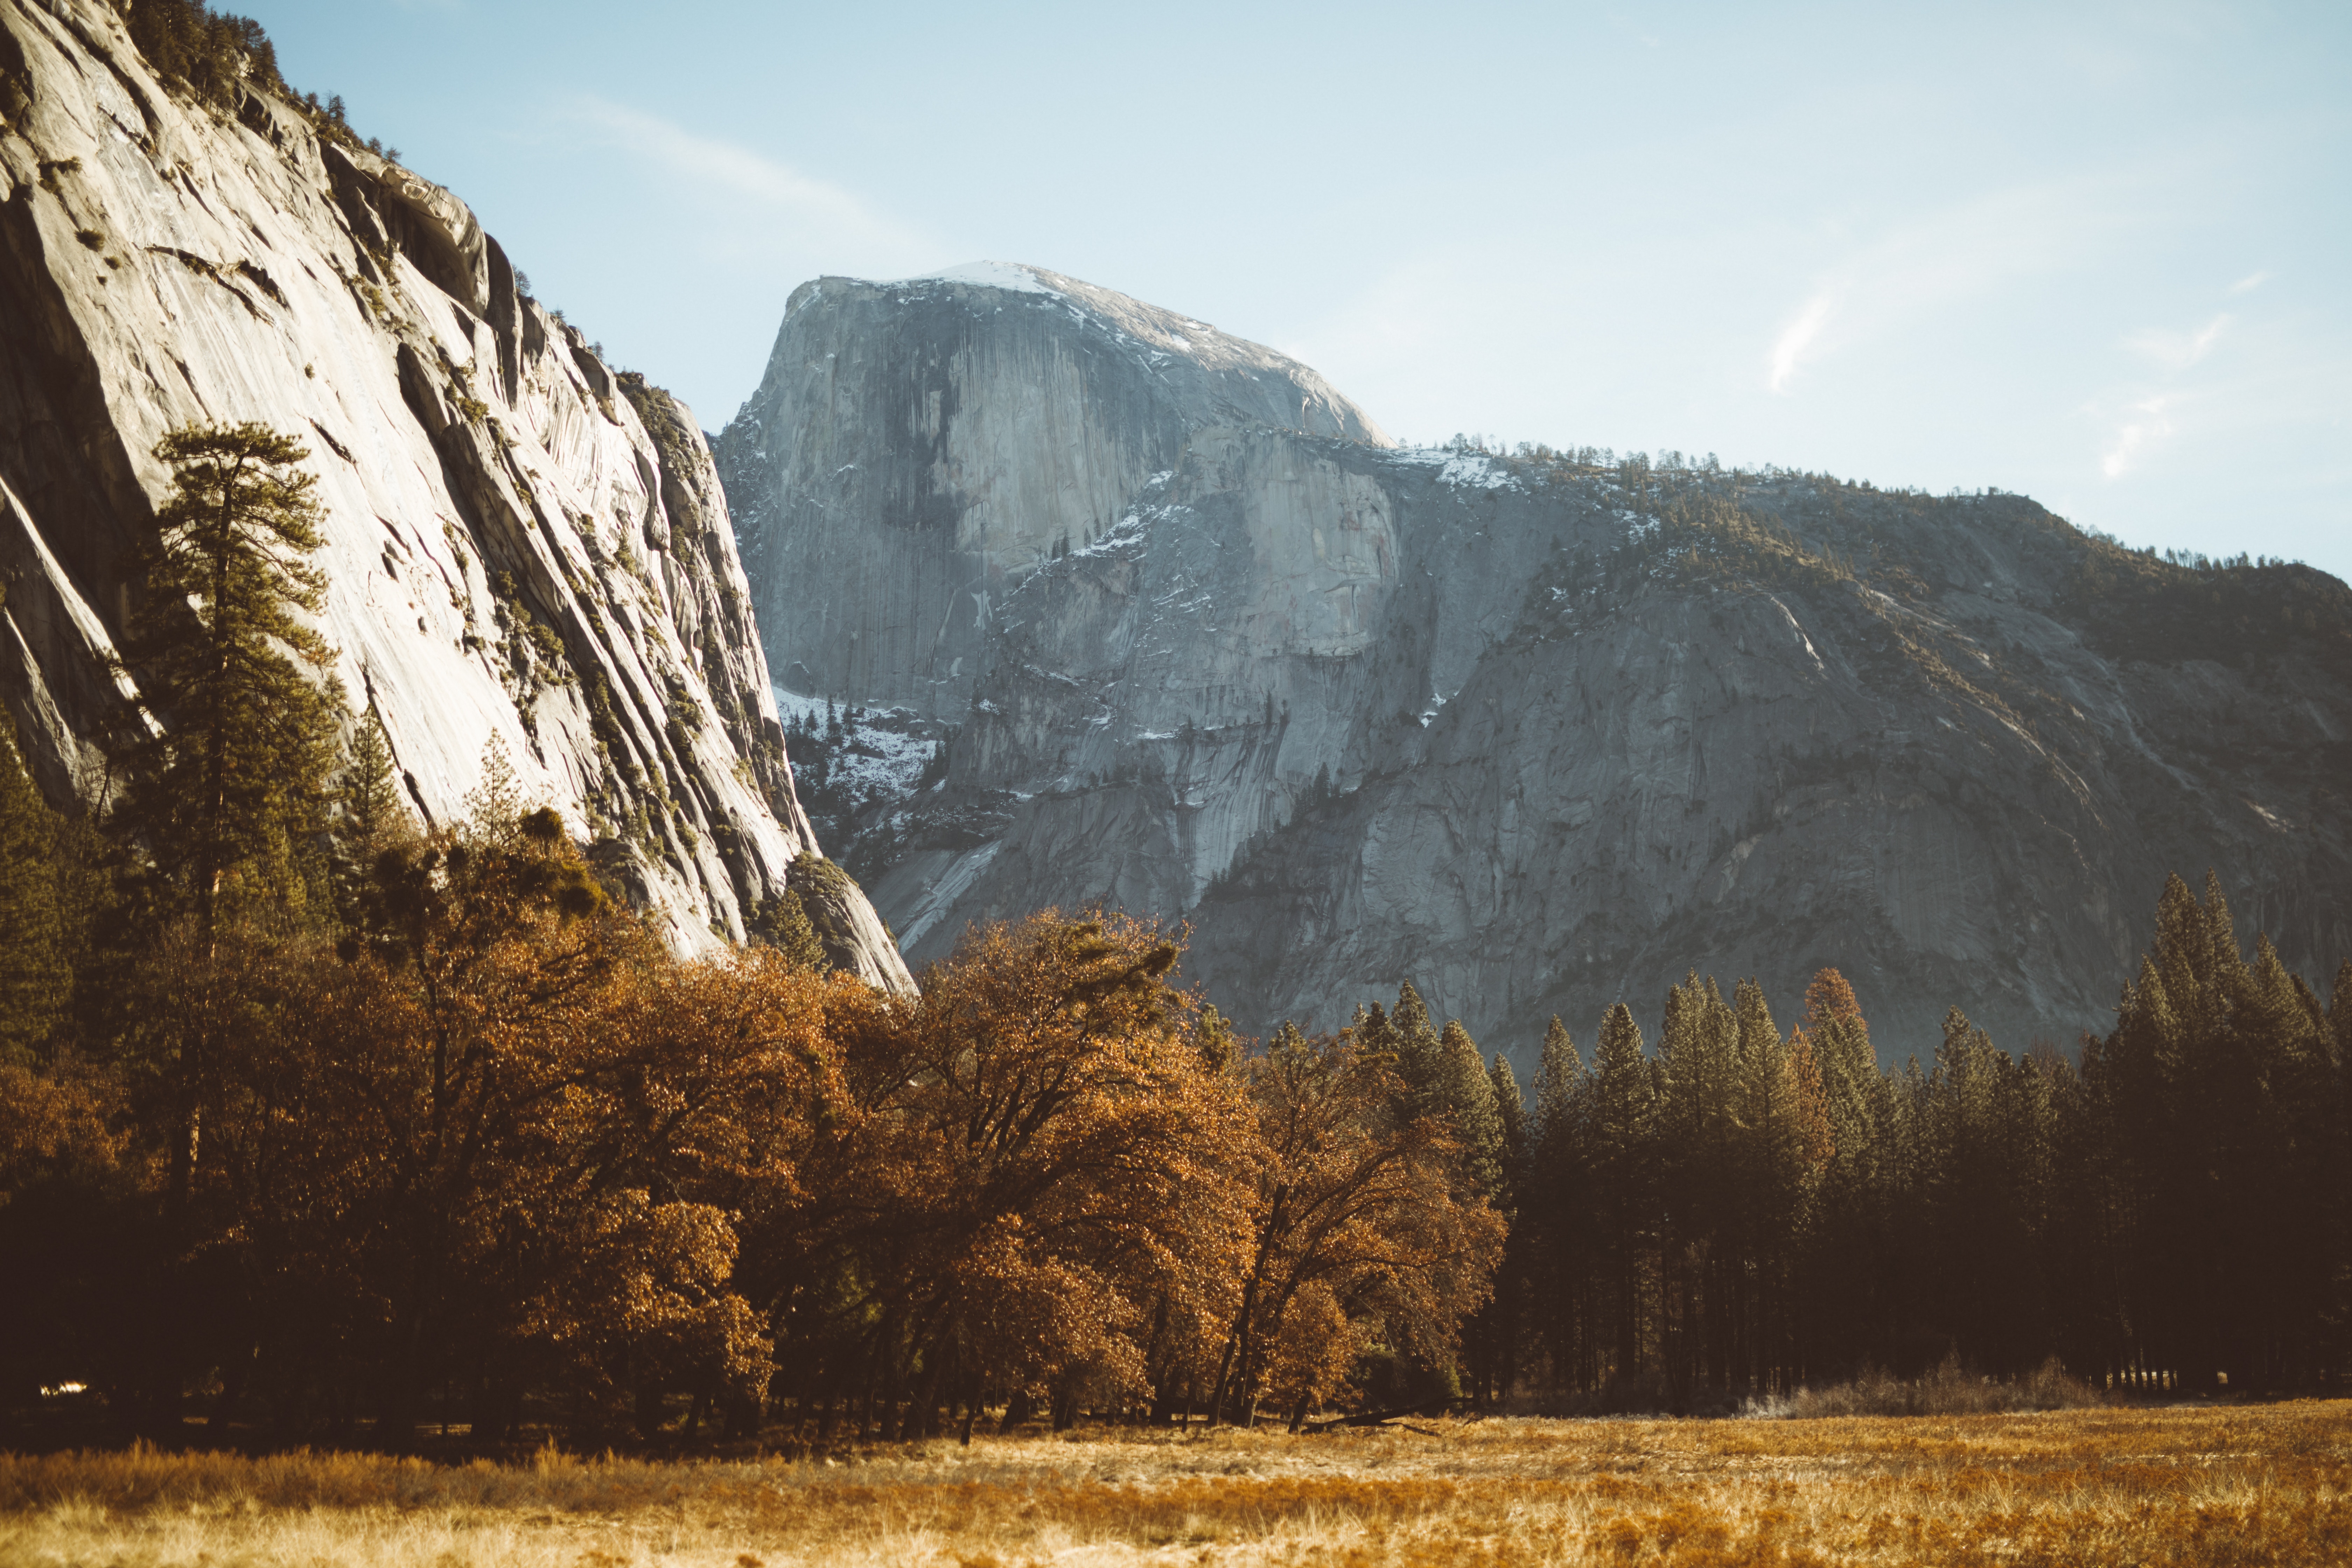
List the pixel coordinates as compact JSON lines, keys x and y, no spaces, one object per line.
{"x":35,"y":982}
{"x":1775,"y":1166}
{"x":495,"y":806}
{"x":1420,"y":1061}
{"x":1494,"y":1334}
{"x":1972,"y":1251}
{"x":2288,"y":1145}
{"x":228,"y":748}
{"x":1441,"y":1075}
{"x":1840,"y":1294}
{"x":2169,"y":1069}
{"x":225,"y":757}
{"x":1511,"y":1105}
{"x":1464,"y":1094}
{"x":1622,"y":1132}
{"x":1699,"y":1168}
{"x":1214,"y":1039}
{"x":1560,"y":1077}
{"x":1555,"y":1214}
{"x":782,"y":922}
{"x":368,"y":812}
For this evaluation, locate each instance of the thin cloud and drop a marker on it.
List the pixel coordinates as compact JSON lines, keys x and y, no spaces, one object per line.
{"x":2177,"y":351}
{"x":1948,"y":254}
{"x":2147,"y":427}
{"x":2193,"y":395}
{"x":827,"y":215}
{"x":2250,"y":282}
{"x":1798,"y":337}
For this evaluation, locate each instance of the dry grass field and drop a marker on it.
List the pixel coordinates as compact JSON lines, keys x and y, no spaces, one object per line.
{"x":2227,"y":1484}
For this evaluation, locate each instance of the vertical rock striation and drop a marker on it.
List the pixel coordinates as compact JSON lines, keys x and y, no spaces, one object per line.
{"x":1535,"y":734}
{"x":522,"y":545}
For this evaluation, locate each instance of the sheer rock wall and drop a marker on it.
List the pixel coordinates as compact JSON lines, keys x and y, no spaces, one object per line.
{"x":1364,"y":714}
{"x":522,"y":545}
{"x":916,"y":449}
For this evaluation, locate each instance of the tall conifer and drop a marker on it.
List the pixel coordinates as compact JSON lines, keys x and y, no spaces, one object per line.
{"x":229,"y":749}
{"x":1464,"y":1093}
{"x":1623,"y":1125}
{"x":1560,"y":1075}
{"x":1554,"y":1204}
{"x":1511,"y":1108}
{"x":1421,"y":1061}
{"x":35,"y":982}
{"x":369,"y":813}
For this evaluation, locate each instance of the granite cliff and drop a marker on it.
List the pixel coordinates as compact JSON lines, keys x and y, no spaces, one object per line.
{"x":916,"y":449}
{"x":523,"y":544}
{"x":1537,"y":731}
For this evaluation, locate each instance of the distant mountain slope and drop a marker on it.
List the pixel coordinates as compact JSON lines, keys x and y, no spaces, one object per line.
{"x":1536,"y":733}
{"x":520,"y":543}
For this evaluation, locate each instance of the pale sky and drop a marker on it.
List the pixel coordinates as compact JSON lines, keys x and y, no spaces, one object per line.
{"x":2101,"y":255}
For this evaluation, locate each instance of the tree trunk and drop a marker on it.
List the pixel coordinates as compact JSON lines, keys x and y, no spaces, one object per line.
{"x":233,"y":1378}
{"x":646,"y":1400}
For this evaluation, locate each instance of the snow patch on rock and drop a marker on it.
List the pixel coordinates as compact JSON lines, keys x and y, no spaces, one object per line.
{"x":1007,"y":274}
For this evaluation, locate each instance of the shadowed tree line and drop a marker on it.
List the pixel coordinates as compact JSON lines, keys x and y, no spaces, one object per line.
{"x":1745,"y":1212}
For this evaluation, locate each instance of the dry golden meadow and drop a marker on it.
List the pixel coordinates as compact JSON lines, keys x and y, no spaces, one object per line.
{"x":2229,"y":1484}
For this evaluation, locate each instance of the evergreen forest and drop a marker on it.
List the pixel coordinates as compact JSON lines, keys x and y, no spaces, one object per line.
{"x":319,"y":1124}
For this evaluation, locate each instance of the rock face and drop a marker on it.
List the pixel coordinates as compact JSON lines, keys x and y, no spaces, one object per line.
{"x":1538,"y":734}
{"x":916,"y":449}
{"x":522,"y":545}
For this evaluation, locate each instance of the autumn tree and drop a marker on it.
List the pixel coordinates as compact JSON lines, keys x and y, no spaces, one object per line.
{"x":696,"y":1116}
{"x":451,"y":1019}
{"x":491,"y":1142}
{"x":1037,"y":1193}
{"x":1363,"y":1233}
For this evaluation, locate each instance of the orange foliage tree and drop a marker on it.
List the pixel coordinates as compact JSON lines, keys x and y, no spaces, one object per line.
{"x":489,"y":1152}
{"x":1365,"y":1229}
{"x":479,"y":1141}
{"x":1034,"y":1192}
